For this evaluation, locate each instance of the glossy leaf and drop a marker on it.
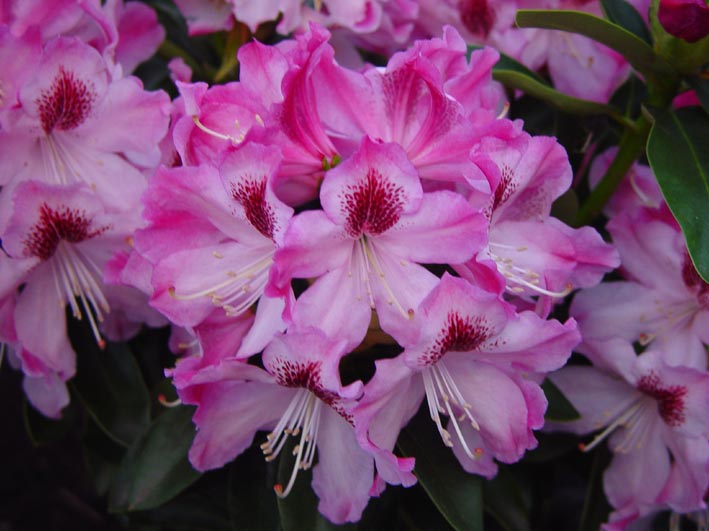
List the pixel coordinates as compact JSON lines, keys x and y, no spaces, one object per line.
{"x":677,"y":153}
{"x":596,"y":507}
{"x":252,"y":502}
{"x":42,"y":430}
{"x":110,"y":385}
{"x":505,"y":502}
{"x":155,"y":469}
{"x":456,"y":494}
{"x":559,"y":408}
{"x":624,"y":14}
{"x":635,"y":50}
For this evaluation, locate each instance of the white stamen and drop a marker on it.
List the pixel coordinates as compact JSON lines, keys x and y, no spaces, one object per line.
{"x":442,"y":393}
{"x":216,"y":134}
{"x":302,"y":417}
{"x":626,"y":419}
{"x":371,"y":258}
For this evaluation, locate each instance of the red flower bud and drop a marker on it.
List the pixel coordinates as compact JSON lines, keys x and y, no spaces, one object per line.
{"x":686,"y":19}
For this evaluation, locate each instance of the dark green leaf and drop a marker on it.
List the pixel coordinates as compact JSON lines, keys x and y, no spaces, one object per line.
{"x":457,"y":494}
{"x":299,"y":510}
{"x":252,"y":502}
{"x":559,"y":100}
{"x":559,"y":409}
{"x":103,"y":457}
{"x":679,"y":157}
{"x":110,"y":385}
{"x":155,"y":469}
{"x":202,"y":506}
{"x":596,"y":507}
{"x":635,"y":50}
{"x":43,"y":430}
{"x":701,"y":89}
{"x":505,"y":502}
{"x":626,"y":16}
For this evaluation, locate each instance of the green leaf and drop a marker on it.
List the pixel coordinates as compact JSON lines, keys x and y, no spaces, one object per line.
{"x":596,"y":507}
{"x":626,"y":16}
{"x":42,"y":430}
{"x":103,"y":457}
{"x":677,"y":153}
{"x":456,"y":494}
{"x":110,"y":385}
{"x":505,"y":502}
{"x":635,"y":50}
{"x":252,"y":503}
{"x":559,"y":408}
{"x":155,"y":469}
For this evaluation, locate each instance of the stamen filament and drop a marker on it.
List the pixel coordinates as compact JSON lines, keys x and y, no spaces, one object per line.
{"x":215,"y":134}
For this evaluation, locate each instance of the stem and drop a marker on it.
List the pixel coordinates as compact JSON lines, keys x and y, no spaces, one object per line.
{"x":631,"y":147}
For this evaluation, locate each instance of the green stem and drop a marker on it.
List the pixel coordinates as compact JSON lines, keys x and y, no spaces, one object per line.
{"x":632,"y":144}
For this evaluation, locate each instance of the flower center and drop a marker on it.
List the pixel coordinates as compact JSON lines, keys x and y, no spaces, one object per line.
{"x":75,"y":273}
{"x":372,"y":206}
{"x":670,"y":400}
{"x":234,"y":291}
{"x":251,"y":193}
{"x":459,"y":334}
{"x":520,"y":279}
{"x":66,"y":104}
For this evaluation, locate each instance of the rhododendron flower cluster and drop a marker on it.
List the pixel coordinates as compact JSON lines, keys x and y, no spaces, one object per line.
{"x":77,"y":138}
{"x":651,"y":406}
{"x":354,"y":232}
{"x":388,"y":171}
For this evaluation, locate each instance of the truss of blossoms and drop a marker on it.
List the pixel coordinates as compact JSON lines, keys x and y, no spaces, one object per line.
{"x":375,"y":264}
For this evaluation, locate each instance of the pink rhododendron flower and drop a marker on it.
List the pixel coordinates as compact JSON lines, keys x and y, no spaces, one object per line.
{"x":299,"y":393}
{"x":655,"y":418}
{"x":663,"y":302}
{"x":364,"y":247}
{"x":537,"y":254}
{"x":60,"y":238}
{"x":58,"y":133}
{"x":227,"y":221}
{"x":638,"y":188}
{"x":468,"y":361}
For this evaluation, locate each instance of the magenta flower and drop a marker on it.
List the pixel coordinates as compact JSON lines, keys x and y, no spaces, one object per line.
{"x":469,"y":362}
{"x":59,"y":240}
{"x":299,"y":395}
{"x":655,"y":418}
{"x":227,"y":221}
{"x":537,"y":254}
{"x":58,"y":132}
{"x":366,"y":244}
{"x":662,"y":303}
{"x":686,"y":19}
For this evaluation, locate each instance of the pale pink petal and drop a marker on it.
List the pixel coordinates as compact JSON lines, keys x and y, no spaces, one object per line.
{"x":344,"y":472}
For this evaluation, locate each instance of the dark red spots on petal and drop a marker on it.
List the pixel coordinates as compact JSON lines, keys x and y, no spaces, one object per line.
{"x":505,"y":188}
{"x":56,"y":225}
{"x":66,"y":104}
{"x":307,"y":376}
{"x":251,"y":193}
{"x":670,"y":400}
{"x":373,"y":205}
{"x":477,"y":16}
{"x":459,"y":334}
